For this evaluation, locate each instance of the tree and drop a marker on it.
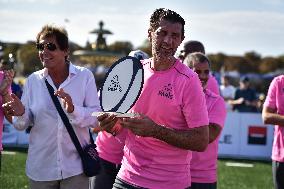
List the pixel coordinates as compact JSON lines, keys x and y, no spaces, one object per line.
{"x":217,"y":61}
{"x":146,"y":47}
{"x":123,"y":47}
{"x":10,"y":48}
{"x":268,"y":64}
{"x":252,"y":60}
{"x":28,"y":59}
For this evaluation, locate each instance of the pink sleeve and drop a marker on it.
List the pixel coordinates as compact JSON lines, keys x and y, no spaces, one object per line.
{"x":213,"y":85}
{"x":270,"y":100}
{"x":217,"y":114}
{"x":194,"y":104}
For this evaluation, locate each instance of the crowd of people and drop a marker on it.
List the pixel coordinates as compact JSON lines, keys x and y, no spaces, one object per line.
{"x":173,"y":143}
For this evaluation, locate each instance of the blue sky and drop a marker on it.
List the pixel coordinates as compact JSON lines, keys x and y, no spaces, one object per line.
{"x":231,"y":27}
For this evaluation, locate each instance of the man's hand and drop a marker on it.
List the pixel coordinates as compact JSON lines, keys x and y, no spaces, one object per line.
{"x":107,"y":122}
{"x":141,"y":126}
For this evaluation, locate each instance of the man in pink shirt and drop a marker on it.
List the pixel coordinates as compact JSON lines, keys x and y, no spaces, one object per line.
{"x":203,"y":166}
{"x":173,"y":118}
{"x":273,"y":113}
{"x":110,"y":149}
{"x":196,"y":46}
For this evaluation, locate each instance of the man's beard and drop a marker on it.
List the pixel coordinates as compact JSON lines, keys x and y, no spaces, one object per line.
{"x":161,"y":55}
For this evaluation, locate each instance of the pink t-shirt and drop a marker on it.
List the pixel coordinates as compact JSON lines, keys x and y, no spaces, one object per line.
{"x":172,"y":98}
{"x":203,"y":165}
{"x":1,"y":113}
{"x":275,"y":100}
{"x":110,"y":148}
{"x":213,"y":85}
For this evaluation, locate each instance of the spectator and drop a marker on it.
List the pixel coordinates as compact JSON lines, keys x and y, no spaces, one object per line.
{"x":158,"y":144}
{"x":245,"y":98}
{"x":227,"y":91}
{"x":53,"y":161}
{"x":16,"y":89}
{"x":273,"y":113}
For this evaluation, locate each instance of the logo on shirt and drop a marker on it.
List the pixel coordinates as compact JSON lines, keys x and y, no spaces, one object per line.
{"x":166,"y":91}
{"x":114,"y":86}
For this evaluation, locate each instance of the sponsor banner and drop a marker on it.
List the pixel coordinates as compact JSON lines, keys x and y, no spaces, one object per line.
{"x":257,"y":135}
{"x":245,"y":136}
{"x":229,"y":141}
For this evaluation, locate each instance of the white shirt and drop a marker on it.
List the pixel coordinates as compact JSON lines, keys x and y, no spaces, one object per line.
{"x":228,"y":92}
{"x":52,"y":155}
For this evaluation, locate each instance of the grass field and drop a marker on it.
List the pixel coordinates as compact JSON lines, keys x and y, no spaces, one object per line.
{"x":259,"y":176}
{"x":241,"y":174}
{"x":13,"y":170}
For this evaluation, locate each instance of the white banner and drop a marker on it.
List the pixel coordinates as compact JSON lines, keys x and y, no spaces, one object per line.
{"x":245,"y":136}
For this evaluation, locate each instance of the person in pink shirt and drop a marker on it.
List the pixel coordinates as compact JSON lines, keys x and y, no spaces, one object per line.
{"x":273,"y":113}
{"x":110,"y":149}
{"x":196,"y":46}
{"x":203,"y":166}
{"x":173,"y":119}
{"x":6,"y":77}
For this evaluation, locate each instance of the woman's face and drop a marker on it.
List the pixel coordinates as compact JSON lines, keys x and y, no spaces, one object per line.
{"x":49,"y":52}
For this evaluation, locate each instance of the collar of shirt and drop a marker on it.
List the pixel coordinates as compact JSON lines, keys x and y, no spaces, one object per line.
{"x":72,"y":71}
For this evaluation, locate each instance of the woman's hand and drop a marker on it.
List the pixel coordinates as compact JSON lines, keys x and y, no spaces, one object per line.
{"x":66,"y":99}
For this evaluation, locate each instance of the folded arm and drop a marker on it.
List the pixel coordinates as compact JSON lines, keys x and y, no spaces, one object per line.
{"x":270,"y":116}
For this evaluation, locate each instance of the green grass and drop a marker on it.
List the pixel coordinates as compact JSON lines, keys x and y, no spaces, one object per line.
{"x":13,"y":170}
{"x":256,"y":177}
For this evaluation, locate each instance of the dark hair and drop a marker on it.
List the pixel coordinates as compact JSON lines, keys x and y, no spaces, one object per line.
{"x":196,"y":57}
{"x":226,"y":77}
{"x":166,"y":14}
{"x":59,"y":33}
{"x":193,"y":46}
{"x":244,"y":79}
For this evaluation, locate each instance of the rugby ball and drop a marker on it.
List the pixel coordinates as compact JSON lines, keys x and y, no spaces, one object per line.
{"x":122,"y":85}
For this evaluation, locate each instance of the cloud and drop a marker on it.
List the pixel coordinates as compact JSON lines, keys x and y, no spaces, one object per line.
{"x":232,"y":32}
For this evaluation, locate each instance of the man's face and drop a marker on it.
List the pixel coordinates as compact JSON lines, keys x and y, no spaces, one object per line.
{"x":244,"y":84}
{"x":165,"y":39}
{"x":50,"y":55}
{"x":203,"y":70}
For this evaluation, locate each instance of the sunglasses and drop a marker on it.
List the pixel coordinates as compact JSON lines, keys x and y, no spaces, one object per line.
{"x":49,"y":46}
